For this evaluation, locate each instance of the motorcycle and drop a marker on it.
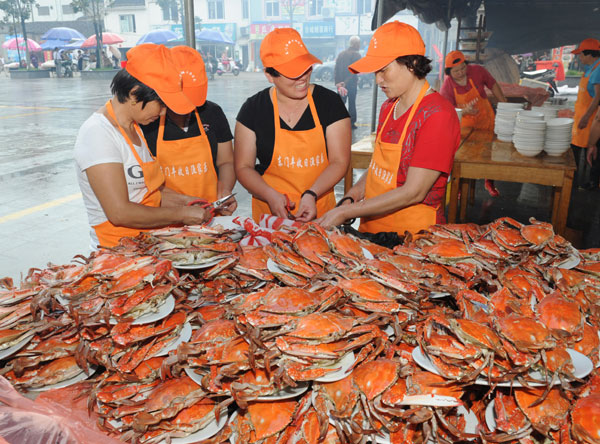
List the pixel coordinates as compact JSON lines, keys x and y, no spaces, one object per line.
{"x":210,"y":70}
{"x":67,"y":68}
{"x":231,"y":67}
{"x":545,"y":76}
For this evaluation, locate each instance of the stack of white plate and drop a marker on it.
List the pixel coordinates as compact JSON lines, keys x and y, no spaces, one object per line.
{"x":558,"y":136}
{"x":505,"y":120}
{"x":550,"y":112}
{"x":459,"y":113}
{"x":529,"y":132}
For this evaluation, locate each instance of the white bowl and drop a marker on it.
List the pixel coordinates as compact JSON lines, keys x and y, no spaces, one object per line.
{"x":529,"y":152}
{"x":561,"y":121}
{"x":531,"y":114}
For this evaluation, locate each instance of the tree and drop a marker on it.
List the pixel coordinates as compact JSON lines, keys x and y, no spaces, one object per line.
{"x":290,"y":6}
{"x":96,"y":10}
{"x":18,"y":11}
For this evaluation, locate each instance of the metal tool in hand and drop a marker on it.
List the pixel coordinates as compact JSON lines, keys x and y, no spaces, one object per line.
{"x":287,"y":208}
{"x":220,"y":203}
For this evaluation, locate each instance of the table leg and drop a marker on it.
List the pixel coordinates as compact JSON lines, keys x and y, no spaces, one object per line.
{"x":556,"y":193}
{"x":464,"y":191}
{"x":472,"y":183}
{"x":453,"y":204}
{"x":348,"y":179}
{"x":563,"y":204}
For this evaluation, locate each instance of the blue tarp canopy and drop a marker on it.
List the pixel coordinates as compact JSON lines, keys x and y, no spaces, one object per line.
{"x":51,"y":44}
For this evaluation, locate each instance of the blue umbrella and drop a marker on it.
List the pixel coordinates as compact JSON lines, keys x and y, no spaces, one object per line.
{"x":213,"y":36}
{"x":51,"y":44}
{"x":158,"y":36}
{"x":62,"y":33}
{"x":75,"y":44}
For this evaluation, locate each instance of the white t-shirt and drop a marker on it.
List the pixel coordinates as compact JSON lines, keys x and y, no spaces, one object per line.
{"x":98,"y":141}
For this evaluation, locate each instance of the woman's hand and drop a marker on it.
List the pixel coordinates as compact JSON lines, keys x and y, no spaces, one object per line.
{"x":584,"y":121}
{"x":195,"y":215}
{"x":307,"y":210}
{"x":333,"y":218}
{"x":279,"y":204}
{"x":592,"y":152}
{"x":229,"y":207}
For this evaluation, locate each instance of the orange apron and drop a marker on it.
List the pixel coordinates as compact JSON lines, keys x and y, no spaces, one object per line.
{"x":109,"y":234}
{"x":382,"y":177}
{"x":484,"y":118}
{"x":581,"y":136}
{"x":187,"y":164}
{"x":299,"y":158}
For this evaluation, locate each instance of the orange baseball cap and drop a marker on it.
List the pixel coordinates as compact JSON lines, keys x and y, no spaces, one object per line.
{"x":392,"y":40}
{"x":153,"y":66}
{"x":587,"y":45}
{"x":284,"y":50}
{"x":192,"y":71}
{"x":454,"y":58}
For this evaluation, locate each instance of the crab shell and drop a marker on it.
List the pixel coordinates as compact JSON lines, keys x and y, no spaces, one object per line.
{"x":585,"y":419}
{"x":561,"y":316}
{"x":524,"y":333}
{"x":373,"y":378}
{"x":548,"y":415}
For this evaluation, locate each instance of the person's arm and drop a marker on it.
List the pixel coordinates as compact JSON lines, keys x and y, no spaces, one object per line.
{"x":107,"y":180}
{"x":244,"y":159}
{"x":226,"y":180}
{"x":591,"y":109}
{"x":448,"y":92}
{"x":339,"y":139}
{"x":498,"y":94}
{"x":594,"y":137}
{"x":418,"y":183}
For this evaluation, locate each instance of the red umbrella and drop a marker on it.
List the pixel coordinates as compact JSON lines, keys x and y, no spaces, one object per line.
{"x":108,"y":38}
{"x":12,"y":44}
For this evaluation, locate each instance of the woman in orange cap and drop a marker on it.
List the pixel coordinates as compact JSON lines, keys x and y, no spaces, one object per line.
{"x":586,"y":105}
{"x":300,"y":133}
{"x":464,"y":86}
{"x":122,"y":184}
{"x":418,"y":134}
{"x":194,"y":150}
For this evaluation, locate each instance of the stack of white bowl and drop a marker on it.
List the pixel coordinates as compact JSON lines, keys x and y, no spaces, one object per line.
{"x":549,"y":111}
{"x":505,"y":120}
{"x":558,"y":136}
{"x":530,"y":129}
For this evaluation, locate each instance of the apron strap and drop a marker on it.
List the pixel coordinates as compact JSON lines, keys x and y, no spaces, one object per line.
{"x":311,"y":105}
{"x":413,"y":110}
{"x":163,"y":122}
{"x":111,"y":113}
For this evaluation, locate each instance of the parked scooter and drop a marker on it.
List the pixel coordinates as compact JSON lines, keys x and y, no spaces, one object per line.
{"x":231,"y":67}
{"x":67,"y":68}
{"x":546,"y":76}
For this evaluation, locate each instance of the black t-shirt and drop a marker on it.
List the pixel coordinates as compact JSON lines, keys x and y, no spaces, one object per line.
{"x":257,"y":115}
{"x":213,"y":120}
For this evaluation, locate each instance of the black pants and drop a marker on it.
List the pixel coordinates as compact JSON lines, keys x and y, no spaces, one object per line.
{"x":351,"y":98}
{"x":581,"y":161}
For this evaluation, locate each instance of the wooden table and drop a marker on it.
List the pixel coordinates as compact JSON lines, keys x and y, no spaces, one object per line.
{"x":360,"y":157}
{"x":481,"y":157}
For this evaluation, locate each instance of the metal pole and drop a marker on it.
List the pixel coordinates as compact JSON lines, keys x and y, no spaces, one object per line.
{"x":445,"y":52}
{"x":374,"y":100}
{"x":188,"y":19}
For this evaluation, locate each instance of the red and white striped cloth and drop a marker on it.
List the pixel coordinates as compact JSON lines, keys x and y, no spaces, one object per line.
{"x":260,"y":234}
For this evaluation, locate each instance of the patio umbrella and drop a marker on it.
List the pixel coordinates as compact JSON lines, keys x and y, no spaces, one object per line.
{"x":31,"y":44}
{"x":62,"y":33}
{"x":213,"y":36}
{"x":75,"y":44}
{"x":51,"y":44}
{"x":108,"y":38}
{"x":158,"y":36}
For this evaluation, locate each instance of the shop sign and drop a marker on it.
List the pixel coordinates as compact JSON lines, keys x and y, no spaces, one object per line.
{"x":319,"y":29}
{"x":365,"y":24}
{"x":260,"y":30}
{"x":346,"y":25}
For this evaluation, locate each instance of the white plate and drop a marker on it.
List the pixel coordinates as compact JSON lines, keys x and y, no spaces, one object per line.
{"x":226,"y":222}
{"x":438,"y":294}
{"x":211,"y":429}
{"x":207,"y":264}
{"x":560,"y":121}
{"x":389,"y":330}
{"x":184,"y":335}
{"x":163,"y":311}
{"x":344,"y":364}
{"x":273,"y":267}
{"x":571,"y":262}
{"x":18,"y":346}
{"x":490,"y":415}
{"x":583,"y":367}
{"x":67,"y":382}
{"x":286,"y":393}
{"x":193,"y":375}
{"x":367,"y":253}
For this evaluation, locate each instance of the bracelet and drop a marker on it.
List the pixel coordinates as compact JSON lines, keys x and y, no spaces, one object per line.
{"x":344,"y":199}
{"x":310,"y":192}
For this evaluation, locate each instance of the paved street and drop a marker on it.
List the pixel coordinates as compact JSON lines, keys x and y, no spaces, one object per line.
{"x":42,"y":217}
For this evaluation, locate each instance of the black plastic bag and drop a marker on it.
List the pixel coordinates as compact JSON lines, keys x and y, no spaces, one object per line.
{"x":387,"y":239}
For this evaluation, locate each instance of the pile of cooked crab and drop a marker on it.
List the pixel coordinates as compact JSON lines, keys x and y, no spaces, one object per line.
{"x":461,"y":333}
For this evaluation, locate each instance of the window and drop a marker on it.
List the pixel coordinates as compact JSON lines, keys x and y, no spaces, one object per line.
{"x":315,"y":7}
{"x":43,"y":10}
{"x":363,"y":6}
{"x":127,"y":22}
{"x":170,"y":12}
{"x":215,"y":9}
{"x":245,"y":9}
{"x":271,"y":8}
{"x":67,"y":9}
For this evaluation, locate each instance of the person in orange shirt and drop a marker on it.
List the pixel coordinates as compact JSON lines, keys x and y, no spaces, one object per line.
{"x":194,"y":150}
{"x":121,"y":182}
{"x":299,"y":132}
{"x":464,"y":86}
{"x":418,"y":134}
